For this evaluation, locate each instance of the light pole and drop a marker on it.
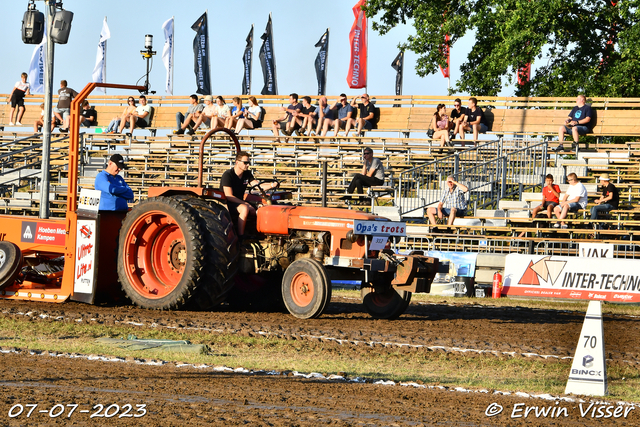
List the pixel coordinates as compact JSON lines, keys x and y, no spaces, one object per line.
{"x":147,"y":54}
{"x":50,"y":10}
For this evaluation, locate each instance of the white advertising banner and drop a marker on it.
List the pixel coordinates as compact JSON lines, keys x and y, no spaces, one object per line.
{"x":595,"y":250}
{"x":591,"y":278}
{"x":85,"y":257}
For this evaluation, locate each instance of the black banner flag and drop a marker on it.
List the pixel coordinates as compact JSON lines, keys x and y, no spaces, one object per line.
{"x":268,"y":62}
{"x":246,"y":60}
{"x":321,"y":62}
{"x":398,"y":65}
{"x":201,"y":55}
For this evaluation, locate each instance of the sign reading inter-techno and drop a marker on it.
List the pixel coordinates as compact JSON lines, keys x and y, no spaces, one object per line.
{"x":616,"y":280}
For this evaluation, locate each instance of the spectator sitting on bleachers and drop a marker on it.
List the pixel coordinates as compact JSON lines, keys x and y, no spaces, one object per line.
{"x":115,"y":122}
{"x":252,"y":116}
{"x":453,"y":203}
{"x":475,"y":120}
{"x":367,"y":111}
{"x":458,"y":115}
{"x":326,"y":116}
{"x":237,"y":113}
{"x":139,"y":118}
{"x":63,"y":109}
{"x":345,"y":118}
{"x":609,"y":199}
{"x":574,"y":199}
{"x":286,"y":124}
{"x":208,"y":115}
{"x":193,"y":112}
{"x":372,"y":174}
{"x":16,"y":98}
{"x":88,"y":115}
{"x":307,"y":117}
{"x":550,"y":197}
{"x":578,"y":123}
{"x":37,"y":125}
{"x":440,"y":124}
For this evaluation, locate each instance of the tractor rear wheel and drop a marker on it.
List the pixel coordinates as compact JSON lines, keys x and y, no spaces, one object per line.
{"x":161,"y":258}
{"x":306,"y":289}
{"x":10,"y":263}
{"x":387,"y":304}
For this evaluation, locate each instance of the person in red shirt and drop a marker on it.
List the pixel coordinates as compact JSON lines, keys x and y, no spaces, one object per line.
{"x":550,"y":197}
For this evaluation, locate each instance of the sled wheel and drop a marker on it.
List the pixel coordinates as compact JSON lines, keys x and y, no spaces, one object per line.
{"x":389,"y":304}
{"x":161,"y":261}
{"x":306,"y":289}
{"x":10,"y":263}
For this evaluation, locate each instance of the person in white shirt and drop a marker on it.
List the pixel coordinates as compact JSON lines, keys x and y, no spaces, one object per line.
{"x":20,"y":89}
{"x":252,"y":116}
{"x":574,"y":199}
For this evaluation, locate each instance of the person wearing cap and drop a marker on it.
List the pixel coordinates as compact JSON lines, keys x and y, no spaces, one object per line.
{"x":115,"y":192}
{"x":209,"y":111}
{"x":609,"y":199}
{"x":372,"y":173}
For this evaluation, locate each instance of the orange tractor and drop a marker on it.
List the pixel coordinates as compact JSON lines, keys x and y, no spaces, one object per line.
{"x":178,"y":249}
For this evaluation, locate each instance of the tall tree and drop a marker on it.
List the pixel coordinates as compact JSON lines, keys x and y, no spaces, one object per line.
{"x":586,"y":46}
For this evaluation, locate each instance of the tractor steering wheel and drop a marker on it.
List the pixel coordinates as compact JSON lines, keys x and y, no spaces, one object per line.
{"x":265,"y":194}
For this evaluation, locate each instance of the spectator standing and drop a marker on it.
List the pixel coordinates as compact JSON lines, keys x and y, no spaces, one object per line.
{"x":458,"y":114}
{"x":88,"y":115}
{"x":367,"y":114}
{"x":234,"y":184}
{"x":475,"y":121}
{"x":286,"y":124}
{"x":252,"y":116}
{"x":609,"y":200}
{"x":237,"y":113}
{"x":372,"y":174}
{"x":578,"y":123}
{"x":307,"y":118}
{"x":115,"y":191}
{"x":63,"y":109}
{"x":574,"y":199}
{"x":440,"y":124}
{"x":345,"y":118}
{"x":453,"y":203}
{"x":16,"y":98}
{"x":114,"y":125}
{"x":193,"y":112}
{"x":139,"y":118}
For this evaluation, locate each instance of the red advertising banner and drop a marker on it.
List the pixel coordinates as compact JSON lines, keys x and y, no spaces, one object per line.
{"x":589,"y":278}
{"x":524,"y":74}
{"x":446,"y":52}
{"x":357,"y":76}
{"x":43,"y":233}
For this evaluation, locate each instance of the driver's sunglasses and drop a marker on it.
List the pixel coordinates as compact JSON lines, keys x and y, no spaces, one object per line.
{"x":456,"y":105}
{"x":247,"y":162}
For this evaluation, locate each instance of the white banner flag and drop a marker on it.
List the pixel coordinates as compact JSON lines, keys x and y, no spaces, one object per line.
{"x":167,"y":53}
{"x":100,"y":70}
{"x":36,"y":68}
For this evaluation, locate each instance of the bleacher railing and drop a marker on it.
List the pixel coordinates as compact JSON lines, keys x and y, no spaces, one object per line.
{"x":491,"y":171}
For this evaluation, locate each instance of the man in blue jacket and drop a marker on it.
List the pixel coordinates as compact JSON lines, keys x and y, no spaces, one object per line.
{"x":115,"y":192}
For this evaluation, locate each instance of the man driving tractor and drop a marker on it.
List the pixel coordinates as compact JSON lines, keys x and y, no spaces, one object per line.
{"x":234,"y":184}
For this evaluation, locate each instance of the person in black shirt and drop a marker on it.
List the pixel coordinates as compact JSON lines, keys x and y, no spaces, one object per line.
{"x":475,"y":120}
{"x":366,"y":119}
{"x":88,"y":115}
{"x":458,"y":115}
{"x":609,"y":199}
{"x":307,"y":118}
{"x":234,"y":184}
{"x":578,"y":123}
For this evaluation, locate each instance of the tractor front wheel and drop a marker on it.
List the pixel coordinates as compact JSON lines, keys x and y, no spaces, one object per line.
{"x":10,"y":263}
{"x":387,"y":304}
{"x":306,"y":289}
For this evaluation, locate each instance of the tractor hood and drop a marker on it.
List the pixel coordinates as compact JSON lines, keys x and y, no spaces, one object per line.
{"x":277,"y":219}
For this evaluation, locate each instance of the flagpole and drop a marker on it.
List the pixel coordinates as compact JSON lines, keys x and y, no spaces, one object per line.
{"x":366,"y":34}
{"x":173,"y":43}
{"x":104,"y":64}
{"x":273,"y":53}
{"x":326,"y":64}
{"x":208,"y":51}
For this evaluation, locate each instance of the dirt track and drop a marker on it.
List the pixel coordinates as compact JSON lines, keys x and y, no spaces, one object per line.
{"x":189,"y":396}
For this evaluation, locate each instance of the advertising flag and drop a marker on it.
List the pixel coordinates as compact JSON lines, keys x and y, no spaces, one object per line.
{"x":201,"y":55}
{"x":268,"y":62}
{"x":446,"y":52}
{"x":167,"y":54}
{"x":524,"y":74}
{"x":398,"y":65}
{"x":100,"y":70}
{"x":36,"y":67}
{"x":321,"y":62}
{"x":246,"y":60}
{"x":357,"y":75}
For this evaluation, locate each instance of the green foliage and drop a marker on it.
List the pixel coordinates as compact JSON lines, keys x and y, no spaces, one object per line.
{"x":566,"y":39}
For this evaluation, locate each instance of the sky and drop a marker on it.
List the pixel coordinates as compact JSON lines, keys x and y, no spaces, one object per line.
{"x":296,"y":27}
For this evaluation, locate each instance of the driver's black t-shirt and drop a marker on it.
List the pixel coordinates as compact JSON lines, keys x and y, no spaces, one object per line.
{"x":238,"y":184}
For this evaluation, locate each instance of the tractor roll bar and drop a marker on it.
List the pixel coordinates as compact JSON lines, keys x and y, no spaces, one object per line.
{"x":204,"y":139}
